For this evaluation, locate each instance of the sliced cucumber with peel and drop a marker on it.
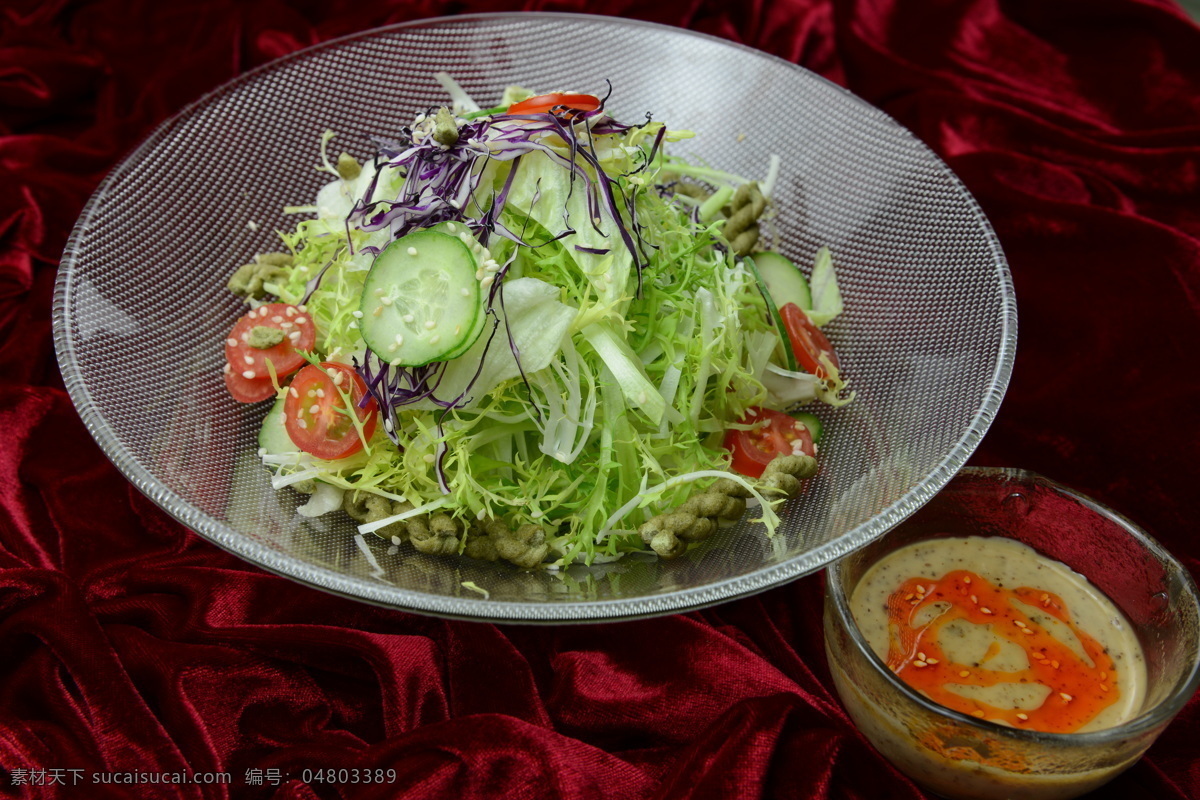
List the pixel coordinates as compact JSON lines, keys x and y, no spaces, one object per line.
{"x":422,"y":301}
{"x":773,"y":310}
{"x":810,"y":421}
{"x":784,"y":280}
{"x":462,"y":233}
{"x":273,"y":436}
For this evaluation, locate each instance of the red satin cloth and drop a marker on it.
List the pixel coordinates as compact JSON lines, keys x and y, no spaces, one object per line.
{"x":128,"y":643}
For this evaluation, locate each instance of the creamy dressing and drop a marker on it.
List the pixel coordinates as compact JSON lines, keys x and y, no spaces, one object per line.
{"x":1006,"y":677}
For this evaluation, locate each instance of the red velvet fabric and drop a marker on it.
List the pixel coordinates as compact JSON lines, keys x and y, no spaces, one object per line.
{"x":128,"y":643}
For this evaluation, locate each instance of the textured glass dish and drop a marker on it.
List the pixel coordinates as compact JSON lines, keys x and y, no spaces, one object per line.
{"x":959,"y":756}
{"x":927,"y":338}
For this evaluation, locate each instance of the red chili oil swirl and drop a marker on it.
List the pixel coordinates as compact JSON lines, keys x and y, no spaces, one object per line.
{"x":1079,"y":691}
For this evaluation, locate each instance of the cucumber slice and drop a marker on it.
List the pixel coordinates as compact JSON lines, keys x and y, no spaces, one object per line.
{"x":458,"y":231}
{"x":421,"y":300}
{"x":773,"y":310}
{"x":811,"y":422}
{"x":273,"y":436}
{"x":785,"y":281}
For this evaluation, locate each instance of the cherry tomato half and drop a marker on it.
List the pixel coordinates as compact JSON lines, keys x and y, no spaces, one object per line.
{"x":544,"y":103}
{"x":808,"y":343}
{"x":298,"y":334}
{"x":316,"y":417}
{"x":245,"y":390}
{"x":774,"y":434}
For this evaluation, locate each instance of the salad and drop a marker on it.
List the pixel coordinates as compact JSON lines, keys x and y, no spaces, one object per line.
{"x":529,"y":333}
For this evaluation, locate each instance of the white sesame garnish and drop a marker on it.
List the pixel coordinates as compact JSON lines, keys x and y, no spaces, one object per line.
{"x":233,"y":342}
{"x":455,"y":204}
{"x":286,"y":326}
{"x":320,"y":392}
{"x":248,"y":359}
{"x":294,"y":336}
{"x":302,"y":309}
{"x":1023,"y":717}
{"x":353,"y":326}
{"x":337,"y":378}
{"x":430,"y":324}
{"x":392,"y":348}
{"x":292,"y":391}
{"x":399,"y":339}
{"x":486,"y":282}
{"x":228,"y":369}
{"x":290,"y":311}
{"x":428,"y":458}
{"x":412,"y":251}
{"x":378,"y":310}
{"x":408,"y":318}
{"x":1066,"y":697}
{"x":434,"y":339}
{"x":248,"y":374}
{"x":301,"y":423}
{"x":396,"y":540}
{"x":357,"y":315}
{"x":451,"y":227}
{"x":465,"y":292}
{"x":387,"y":301}
{"x":278,"y":318}
{"x":314,"y":408}
{"x":465,"y":237}
{"x":301,"y":320}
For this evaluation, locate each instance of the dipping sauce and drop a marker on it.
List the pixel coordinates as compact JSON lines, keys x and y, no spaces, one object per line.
{"x":990,"y":628}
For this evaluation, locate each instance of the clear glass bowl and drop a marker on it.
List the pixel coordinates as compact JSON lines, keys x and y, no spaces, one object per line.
{"x":959,"y":756}
{"x":927,"y":339}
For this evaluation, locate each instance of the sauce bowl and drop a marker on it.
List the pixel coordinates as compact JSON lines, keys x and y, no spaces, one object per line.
{"x":959,"y":756}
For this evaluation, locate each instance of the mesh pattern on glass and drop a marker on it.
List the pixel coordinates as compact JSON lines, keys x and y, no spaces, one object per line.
{"x":927,"y":338}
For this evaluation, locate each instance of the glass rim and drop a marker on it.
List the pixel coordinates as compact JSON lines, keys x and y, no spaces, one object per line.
{"x":1161,"y":712}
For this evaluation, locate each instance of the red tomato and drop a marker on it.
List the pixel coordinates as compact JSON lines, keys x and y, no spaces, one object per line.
{"x":245,"y":390}
{"x":315,"y":414}
{"x":775,"y":434}
{"x":544,"y":103}
{"x":808,"y":343}
{"x":299,"y":334}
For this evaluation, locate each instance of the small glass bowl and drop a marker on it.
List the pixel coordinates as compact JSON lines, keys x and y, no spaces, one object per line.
{"x":959,"y":756}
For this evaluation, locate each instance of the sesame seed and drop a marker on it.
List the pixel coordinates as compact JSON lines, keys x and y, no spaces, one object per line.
{"x":908,"y":596}
{"x":231,"y":342}
{"x":387,"y":301}
{"x":920,"y":590}
{"x":964,"y":674}
{"x":292,"y":391}
{"x":1104,"y":687}
{"x":379,"y":292}
{"x":931,"y":661}
{"x":357,"y":315}
{"x":1023,"y":717}
{"x":245,"y":337}
{"x":301,"y":423}
{"x":918,"y":664}
{"x":294,"y":336}
{"x":286,"y":325}
{"x":921,"y":656}
{"x":486,"y":282}
{"x":301,"y":320}
{"x":434,"y":339}
{"x":408,"y":318}
{"x":967,"y":580}
{"x":228,"y":369}
{"x":430,"y":324}
{"x":412,"y":251}
{"x":378,"y":310}
{"x":1103,"y":676}
{"x":977,"y":713}
{"x":465,"y":292}
{"x":290,"y":311}
{"x":428,"y":458}
{"x":314,"y":408}
{"x":1019,"y":624}
{"x":455,"y":204}
{"x":249,"y":374}
{"x":302,"y":309}
{"x":975,"y":599}
{"x":1066,"y":697}
{"x":396,"y":540}
{"x":1027,"y":631}
{"x":320,"y":392}
{"x":399,"y":339}
{"x":248,"y":359}
{"x":985,"y":610}
{"x":1054,"y":663}
{"x":337,"y":378}
{"x":451,"y":227}
{"x":392,"y":348}
{"x":277,"y":318}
